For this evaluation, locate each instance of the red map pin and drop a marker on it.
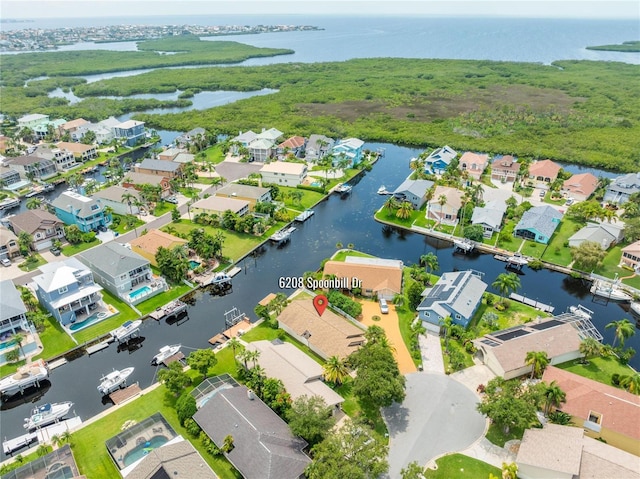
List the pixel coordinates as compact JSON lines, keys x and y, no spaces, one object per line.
{"x":320,"y":302}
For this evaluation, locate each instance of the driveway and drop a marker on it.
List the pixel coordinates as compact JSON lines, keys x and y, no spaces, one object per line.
{"x":437,"y":416}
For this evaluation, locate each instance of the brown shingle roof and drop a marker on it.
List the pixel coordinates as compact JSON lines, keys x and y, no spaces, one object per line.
{"x":374,"y":277}
{"x":154,"y":239}
{"x":74,"y":147}
{"x":555,"y":448}
{"x":330,"y":333}
{"x":33,"y":220}
{"x":620,"y":409}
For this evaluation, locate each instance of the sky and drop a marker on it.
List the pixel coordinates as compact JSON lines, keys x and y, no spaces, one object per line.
{"x":25,"y":9}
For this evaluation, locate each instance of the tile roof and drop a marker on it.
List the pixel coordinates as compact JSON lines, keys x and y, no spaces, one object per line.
{"x":506,"y":162}
{"x":293,"y":142}
{"x":540,"y":218}
{"x":544,"y":168}
{"x":454,"y":196}
{"x":633,"y":248}
{"x":74,"y":123}
{"x":374,"y":277}
{"x":583,"y":183}
{"x":12,"y":304}
{"x":620,"y":409}
{"x":479,"y":159}
{"x":33,"y":220}
{"x":74,"y":147}
{"x":112,"y":258}
{"x":154,"y":239}
{"x":602,"y":461}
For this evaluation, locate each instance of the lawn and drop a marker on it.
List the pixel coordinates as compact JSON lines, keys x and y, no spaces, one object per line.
{"x":72,"y":249}
{"x":383,"y":214}
{"x":610,"y":267}
{"x":308,"y":199}
{"x":88,"y":443}
{"x":352,"y":408}
{"x":459,"y":465}
{"x":598,"y":369}
{"x":264,"y":331}
{"x":214,"y":154}
{"x":163,"y":207}
{"x":496,"y":436}
{"x":533,"y":249}
{"x":515,"y":314}
{"x":25,"y":460}
{"x":103,"y":327}
{"x":513,"y":244}
{"x":55,"y":339}
{"x":557,"y":252}
{"x":455,"y":345}
{"x":161,"y":299}
{"x":342,"y":254}
{"x":123,"y":228}
{"x":30,"y":266}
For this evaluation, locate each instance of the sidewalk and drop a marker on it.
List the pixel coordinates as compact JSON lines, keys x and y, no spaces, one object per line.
{"x":431,"y":350}
{"x":484,"y":450}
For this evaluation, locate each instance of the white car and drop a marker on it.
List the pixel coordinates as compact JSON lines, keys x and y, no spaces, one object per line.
{"x":384,"y":308}
{"x":5,"y":262}
{"x":172,"y":199}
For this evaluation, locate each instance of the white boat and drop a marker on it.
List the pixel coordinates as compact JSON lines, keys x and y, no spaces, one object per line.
{"x":517,"y":259}
{"x":610,"y":291}
{"x":126,"y":330}
{"x":220,"y":278}
{"x":166,"y":352}
{"x":114,"y":380}
{"x":343,"y":188}
{"x":304,"y":216}
{"x":9,"y":203}
{"x":635,"y":307}
{"x":46,"y":414}
{"x":26,"y":376}
{"x":581,"y":311}
{"x":383,"y":190}
{"x":282,"y":235}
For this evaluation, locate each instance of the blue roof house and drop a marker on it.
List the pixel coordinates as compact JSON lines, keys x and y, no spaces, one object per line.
{"x":457,"y":294}
{"x":538,"y":224}
{"x":439,"y":159}
{"x":350,"y":149}
{"x":86,"y":213}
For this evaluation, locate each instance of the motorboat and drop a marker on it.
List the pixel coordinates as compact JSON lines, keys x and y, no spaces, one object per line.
{"x":114,"y":380}
{"x":581,"y":311}
{"x":517,"y":259}
{"x":635,"y":307}
{"x":25,"y":377}
{"x":220,"y":278}
{"x":174,"y":307}
{"x":166,"y":352}
{"x":126,"y":330}
{"x":343,"y":188}
{"x":46,"y":414}
{"x":304,"y":216}
{"x":282,"y":235}
{"x":610,"y":291}
{"x":383,"y":190}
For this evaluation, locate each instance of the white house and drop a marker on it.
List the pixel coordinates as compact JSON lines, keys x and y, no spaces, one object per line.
{"x":284,"y":173}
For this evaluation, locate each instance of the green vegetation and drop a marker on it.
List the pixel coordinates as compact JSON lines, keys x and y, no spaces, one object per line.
{"x":556,"y":252}
{"x":103,"y":327}
{"x":32,"y":262}
{"x":497,"y":436}
{"x":24,"y":460}
{"x":632,"y":46}
{"x":610,"y":269}
{"x":72,"y":249}
{"x":174,"y":292}
{"x":459,"y":465}
{"x":599,"y":368}
{"x":265,"y":332}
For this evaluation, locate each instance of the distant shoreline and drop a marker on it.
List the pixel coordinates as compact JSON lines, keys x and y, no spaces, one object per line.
{"x":624,"y":47}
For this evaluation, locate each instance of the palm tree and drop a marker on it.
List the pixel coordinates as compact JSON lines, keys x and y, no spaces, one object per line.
{"x":446,"y":324}
{"x":623,"y":330}
{"x":56,"y":440}
{"x":335,"y":370}
{"x":34,"y":203}
{"x":235,"y":344}
{"x":442,"y":200}
{"x":509,"y":471}
{"x":253,"y":357}
{"x":24,"y":242}
{"x":538,"y":360}
{"x":505,"y":283}
{"x":631,"y":382}
{"x":589,"y":347}
{"x":129,"y":198}
{"x":405,"y":210}
{"x":66,"y":437}
{"x":553,"y":397}
{"x":430,"y":263}
{"x":391,"y":203}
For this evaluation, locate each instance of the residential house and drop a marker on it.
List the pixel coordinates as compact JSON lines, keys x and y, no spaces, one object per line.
{"x":63,"y":159}
{"x":439,"y":159}
{"x":11,"y":179}
{"x":131,"y":131}
{"x":300,"y":374}
{"x":580,"y":187}
{"x":184,"y":157}
{"x":564,"y":452}
{"x":263,"y":445}
{"x":169,"y":154}
{"x":631,"y":255}
{"x":103,"y":130}
{"x":136,"y":180}
{"x":80,"y":151}
{"x":504,"y":352}
{"x":261,"y":149}
{"x":112,"y":197}
{"x":32,"y":167}
{"x":184,"y":140}
{"x":243,"y":140}
{"x":9,"y":247}
{"x":603,"y":411}
{"x":474,"y":163}
{"x":413,"y":191}
{"x":378,"y":277}
{"x":73,"y":125}
{"x":505,"y":169}
{"x":456,"y":294}
{"x":174,"y":459}
{"x":13,"y":314}
{"x":67,"y":290}
{"x":489,"y":216}
{"x":216,"y":205}
{"x":58,"y":463}
{"x":123,"y":272}
{"x":544,"y":171}
{"x":252,"y":194}
{"x":147,"y":245}
{"x":167,"y":169}
{"x":42,"y":226}
{"x":293,"y":146}
{"x":50,"y":127}
{"x":5,"y":144}
{"x":75,"y":209}
{"x":348,"y":149}
{"x":621,"y":188}
{"x":538,"y":224}
{"x":327,"y":335}
{"x":446,"y":213}
{"x":317,"y":147}
{"x":32,"y":121}
{"x":283,"y":173}
{"x":272,"y":134}
{"x":604,"y":233}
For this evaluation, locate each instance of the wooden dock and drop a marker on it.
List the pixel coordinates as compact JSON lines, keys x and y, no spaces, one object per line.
{"x":97,"y":347}
{"x":57,"y":363}
{"x":233,"y":271}
{"x":179,"y":356}
{"x":218,"y":339}
{"x":238,"y":328}
{"x":122,"y":395}
{"x":530,"y":302}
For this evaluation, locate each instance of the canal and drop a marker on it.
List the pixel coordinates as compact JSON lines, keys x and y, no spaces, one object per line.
{"x":336,"y":220}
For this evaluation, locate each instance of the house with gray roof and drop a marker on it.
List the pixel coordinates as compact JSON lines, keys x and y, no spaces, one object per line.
{"x":186,"y":138}
{"x":538,"y":224}
{"x":122,"y":272}
{"x":457,"y":294}
{"x":84,"y":212}
{"x":250,"y":193}
{"x":621,"y":188}
{"x":13,"y":314}
{"x":318,"y":146}
{"x":112,"y":197}
{"x":605,"y":234}
{"x":413,"y":191}
{"x":242,"y":140}
{"x":489,"y":216}
{"x":32,"y":167}
{"x":439,"y":159}
{"x":173,"y":460}
{"x":261,"y":149}
{"x":263,"y":445}
{"x":168,"y":169}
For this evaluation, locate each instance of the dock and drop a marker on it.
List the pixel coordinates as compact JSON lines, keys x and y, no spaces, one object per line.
{"x":179,"y":356}
{"x":218,"y":339}
{"x":463,"y":245}
{"x":97,"y":347}
{"x":516,"y":261}
{"x":10,"y":445}
{"x":304,"y":216}
{"x":282,"y":236}
{"x":530,"y":302}
{"x":233,"y":271}
{"x":46,"y":433}
{"x":57,"y":363}
{"x":343,"y":189}
{"x":122,"y":395}
{"x":170,"y":309}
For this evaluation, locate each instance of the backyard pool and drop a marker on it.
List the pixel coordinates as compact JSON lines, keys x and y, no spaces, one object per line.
{"x":7,"y":344}
{"x":94,"y":318}
{"x":143,"y":448}
{"x":133,"y":295}
{"x":317,"y":184}
{"x":193,"y":264}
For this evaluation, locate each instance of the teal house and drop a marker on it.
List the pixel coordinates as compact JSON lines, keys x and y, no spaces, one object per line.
{"x":538,"y":224}
{"x":349,"y":149}
{"x":86,"y":213}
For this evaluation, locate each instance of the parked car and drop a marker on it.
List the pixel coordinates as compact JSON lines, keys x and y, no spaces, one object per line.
{"x":542,"y":193}
{"x":384,"y":308}
{"x":569,"y":202}
{"x":55,"y":251}
{"x":102,"y":228}
{"x":172,"y":199}
{"x":5,"y":262}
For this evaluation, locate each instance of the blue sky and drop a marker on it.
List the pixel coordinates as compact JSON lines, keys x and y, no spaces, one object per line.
{"x":517,"y":8}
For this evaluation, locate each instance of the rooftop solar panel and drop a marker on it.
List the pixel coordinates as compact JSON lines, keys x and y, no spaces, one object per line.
{"x":546,"y":325}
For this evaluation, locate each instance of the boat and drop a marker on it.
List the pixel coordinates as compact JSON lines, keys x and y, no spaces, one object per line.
{"x":114,"y":380}
{"x":126,"y":330}
{"x":282,"y":235}
{"x":343,"y":188}
{"x":383,"y":190}
{"x":610,"y":291}
{"x":26,"y":376}
{"x":304,"y":216}
{"x":220,"y":278}
{"x":517,"y":259}
{"x":46,"y":414}
{"x":174,"y":307}
{"x":9,"y":203}
{"x":635,"y":307}
{"x":581,"y":311}
{"x":464,"y":245}
{"x":166,"y":352}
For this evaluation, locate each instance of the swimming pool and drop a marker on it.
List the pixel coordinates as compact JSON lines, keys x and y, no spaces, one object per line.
{"x":61,"y":472}
{"x":133,"y":295}
{"x":7,"y":344}
{"x":193,"y":264}
{"x":94,"y":318}
{"x":316,"y":184}
{"x":143,"y":449}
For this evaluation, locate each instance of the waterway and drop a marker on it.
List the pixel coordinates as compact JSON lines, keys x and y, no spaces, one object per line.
{"x":348,"y":220}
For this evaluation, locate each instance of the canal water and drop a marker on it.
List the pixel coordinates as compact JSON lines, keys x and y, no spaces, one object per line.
{"x":344,"y":220}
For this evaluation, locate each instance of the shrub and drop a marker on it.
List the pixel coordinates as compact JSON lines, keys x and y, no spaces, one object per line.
{"x":535,"y":264}
{"x":185,"y":407}
{"x":192,"y":427}
{"x":615,"y":379}
{"x":344,"y":303}
{"x":489,"y":299}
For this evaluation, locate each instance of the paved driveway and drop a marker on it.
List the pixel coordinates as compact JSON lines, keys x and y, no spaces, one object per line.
{"x":437,"y":416}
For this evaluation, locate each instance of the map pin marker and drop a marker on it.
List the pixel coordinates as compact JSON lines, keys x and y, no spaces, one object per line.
{"x":320,"y":303}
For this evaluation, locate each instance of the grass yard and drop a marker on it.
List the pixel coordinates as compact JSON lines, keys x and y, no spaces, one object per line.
{"x":163,"y":207}
{"x":30,"y":266}
{"x":103,"y":327}
{"x":214,"y":154}
{"x":72,"y":249}
{"x":309,"y":198}
{"x":556,"y":252}
{"x":91,"y":453}
{"x":342,"y":254}
{"x":610,"y":267}
{"x":598,"y":369}
{"x":455,"y":345}
{"x":390,"y":217}
{"x":460,"y":466}
{"x":533,"y":249}
{"x":513,"y":243}
{"x":352,"y":408}
{"x":25,"y":460}
{"x":515,"y":314}
{"x":123,"y":228}
{"x":161,"y":299}
{"x":496,"y":436}
{"x":55,"y":339}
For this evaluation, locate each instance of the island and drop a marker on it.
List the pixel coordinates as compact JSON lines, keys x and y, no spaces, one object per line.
{"x":625,"y":47}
